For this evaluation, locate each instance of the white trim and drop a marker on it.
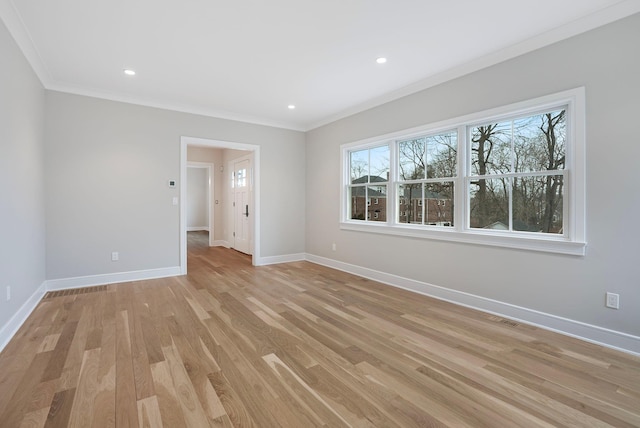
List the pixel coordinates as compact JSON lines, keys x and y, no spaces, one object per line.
{"x":545,"y":244}
{"x":218,"y":144}
{"x":286,"y":258}
{"x":110,"y":278}
{"x":16,"y":27}
{"x":11,"y":328}
{"x":601,"y":336}
{"x":220,"y":243}
{"x":573,"y":242}
{"x":197,"y":228}
{"x":598,"y":19}
{"x":173,"y":106}
{"x":8,"y":331}
{"x":18,"y":30}
{"x":590,"y":333}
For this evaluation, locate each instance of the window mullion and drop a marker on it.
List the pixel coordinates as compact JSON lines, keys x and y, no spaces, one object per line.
{"x":538,"y":224}
{"x":346,"y":188}
{"x":392,"y":202}
{"x":510,"y":180}
{"x":461,"y":211}
{"x":510,"y":196}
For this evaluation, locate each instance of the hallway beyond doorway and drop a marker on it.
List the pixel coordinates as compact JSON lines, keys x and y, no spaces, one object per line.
{"x":200,"y":254}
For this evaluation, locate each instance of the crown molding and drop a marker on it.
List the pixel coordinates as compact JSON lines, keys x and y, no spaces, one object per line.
{"x":11,"y":18}
{"x":177,"y":107}
{"x":13,"y":21}
{"x":582,"y":25}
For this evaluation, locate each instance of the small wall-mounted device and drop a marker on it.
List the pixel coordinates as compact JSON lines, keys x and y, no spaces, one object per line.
{"x":172,"y":183}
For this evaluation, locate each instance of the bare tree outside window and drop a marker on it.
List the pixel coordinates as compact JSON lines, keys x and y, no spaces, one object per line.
{"x":513,"y":176}
{"x":517,"y":174}
{"x":427,"y":166}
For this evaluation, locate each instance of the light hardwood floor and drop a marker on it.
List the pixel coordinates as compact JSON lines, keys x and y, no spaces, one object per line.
{"x":297,"y":345}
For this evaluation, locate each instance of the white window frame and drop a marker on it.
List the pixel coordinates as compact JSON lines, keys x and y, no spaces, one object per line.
{"x":572,"y":242}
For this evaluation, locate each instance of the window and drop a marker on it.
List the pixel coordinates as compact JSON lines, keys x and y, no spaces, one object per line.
{"x":426,"y":169}
{"x":517,"y":173}
{"x":369,"y":175}
{"x":512,"y":176}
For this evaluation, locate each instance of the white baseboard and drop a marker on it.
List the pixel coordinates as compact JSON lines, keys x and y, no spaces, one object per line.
{"x":287,"y":258}
{"x":221,"y":243}
{"x":197,"y":228}
{"x":11,"y":328}
{"x":590,"y":333}
{"x":110,"y":278}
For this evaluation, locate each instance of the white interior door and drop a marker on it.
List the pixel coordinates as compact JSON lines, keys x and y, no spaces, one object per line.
{"x":242,"y":206}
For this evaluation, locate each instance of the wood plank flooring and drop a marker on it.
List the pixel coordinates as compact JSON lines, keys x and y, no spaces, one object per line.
{"x":297,"y":345}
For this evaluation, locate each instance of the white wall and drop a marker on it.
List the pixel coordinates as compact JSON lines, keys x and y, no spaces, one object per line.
{"x":197,"y":198}
{"x":22,"y":211}
{"x":107,"y":166}
{"x":607,"y":63}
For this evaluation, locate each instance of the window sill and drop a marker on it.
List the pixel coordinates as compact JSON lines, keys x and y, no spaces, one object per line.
{"x":551,"y":244}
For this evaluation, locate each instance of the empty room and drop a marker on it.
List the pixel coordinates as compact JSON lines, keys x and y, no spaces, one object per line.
{"x":319,"y":213}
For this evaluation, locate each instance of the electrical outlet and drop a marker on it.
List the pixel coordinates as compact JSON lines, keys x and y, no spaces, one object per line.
{"x":613,"y":301}
{"x":8,"y":293}
{"x":115,"y":256}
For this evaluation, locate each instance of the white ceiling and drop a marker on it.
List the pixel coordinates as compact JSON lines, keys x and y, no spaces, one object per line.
{"x":250,"y":59}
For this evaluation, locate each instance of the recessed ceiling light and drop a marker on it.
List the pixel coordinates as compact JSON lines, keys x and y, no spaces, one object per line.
{"x":291,"y":107}
{"x":129,"y":72}
{"x":381,"y":60}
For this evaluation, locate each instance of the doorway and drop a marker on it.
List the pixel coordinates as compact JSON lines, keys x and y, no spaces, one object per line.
{"x":251,"y":198}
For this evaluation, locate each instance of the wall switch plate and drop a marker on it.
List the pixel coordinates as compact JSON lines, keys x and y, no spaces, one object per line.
{"x":333,"y":247}
{"x":115,"y":256}
{"x":8,"y":293}
{"x":613,"y":301}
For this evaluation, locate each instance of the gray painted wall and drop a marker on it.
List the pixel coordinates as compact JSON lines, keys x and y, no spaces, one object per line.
{"x":22,"y":213}
{"x":107,"y":166}
{"x":607,"y":62}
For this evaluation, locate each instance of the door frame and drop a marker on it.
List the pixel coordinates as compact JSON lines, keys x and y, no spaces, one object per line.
{"x":218,"y":144}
